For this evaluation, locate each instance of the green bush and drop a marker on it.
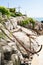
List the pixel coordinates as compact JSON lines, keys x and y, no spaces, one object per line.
{"x":4,"y":10}
{"x":27,"y":21}
{"x":9,"y":11}
{"x":13,"y":10}
{"x":18,"y":14}
{"x":24,"y":22}
{"x":32,"y":21}
{"x":12,"y":14}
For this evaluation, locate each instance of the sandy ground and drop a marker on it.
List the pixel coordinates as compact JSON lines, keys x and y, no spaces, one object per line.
{"x":38,"y":60}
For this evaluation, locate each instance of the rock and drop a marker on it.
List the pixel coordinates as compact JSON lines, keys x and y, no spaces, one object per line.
{"x":11,"y":53}
{"x":14,"y":23}
{"x":7,"y":52}
{"x":7,"y":48}
{"x":22,"y":64}
{"x":9,"y":63}
{"x":7,"y":55}
{"x":41,"y":21}
{"x":15,"y":59}
{"x":1,"y":56}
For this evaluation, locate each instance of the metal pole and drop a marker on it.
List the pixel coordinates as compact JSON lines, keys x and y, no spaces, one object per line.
{"x":19,"y":9}
{"x":8,"y":4}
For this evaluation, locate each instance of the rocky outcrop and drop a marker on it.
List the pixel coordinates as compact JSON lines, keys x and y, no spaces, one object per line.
{"x":18,"y":44}
{"x":38,"y":26}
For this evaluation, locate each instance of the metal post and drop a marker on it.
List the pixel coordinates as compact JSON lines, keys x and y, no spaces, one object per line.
{"x":8,"y":4}
{"x":19,"y":9}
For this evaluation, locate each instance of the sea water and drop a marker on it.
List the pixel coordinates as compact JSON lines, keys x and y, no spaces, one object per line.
{"x":39,"y":19}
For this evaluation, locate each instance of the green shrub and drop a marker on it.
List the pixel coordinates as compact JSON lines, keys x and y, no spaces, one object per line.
{"x":4,"y":10}
{"x":32,"y":21}
{"x":18,"y":14}
{"x":24,"y":22}
{"x":27,"y":21}
{"x":12,"y":14}
{"x":9,"y":11}
{"x":13,"y":10}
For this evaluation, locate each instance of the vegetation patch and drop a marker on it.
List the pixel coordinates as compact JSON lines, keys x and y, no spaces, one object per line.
{"x":9,"y":11}
{"x":27,"y":21}
{"x":4,"y":11}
